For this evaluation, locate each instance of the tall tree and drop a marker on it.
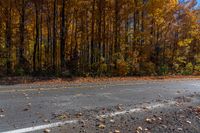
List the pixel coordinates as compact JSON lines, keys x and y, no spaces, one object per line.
{"x":55,"y":13}
{"x":63,"y":35}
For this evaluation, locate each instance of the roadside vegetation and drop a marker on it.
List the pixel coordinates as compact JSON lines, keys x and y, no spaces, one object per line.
{"x":99,"y":37}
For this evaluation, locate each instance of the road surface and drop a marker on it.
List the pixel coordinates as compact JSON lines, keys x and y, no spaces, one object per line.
{"x":76,"y":107}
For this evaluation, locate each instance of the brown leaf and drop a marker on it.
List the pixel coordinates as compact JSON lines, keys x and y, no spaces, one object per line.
{"x":189,"y":122}
{"x":102,"y":126}
{"x":62,"y":116}
{"x":116,"y":131}
{"x":180,"y":129}
{"x":47,"y":130}
{"x":46,"y":120}
{"x":112,"y":121}
{"x":148,"y":120}
{"x":2,"y":110}
{"x":119,"y":107}
{"x":79,"y":114}
{"x":139,"y":129}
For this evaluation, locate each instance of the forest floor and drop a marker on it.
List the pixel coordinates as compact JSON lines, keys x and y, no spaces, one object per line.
{"x":101,"y":105}
{"x":57,"y":80}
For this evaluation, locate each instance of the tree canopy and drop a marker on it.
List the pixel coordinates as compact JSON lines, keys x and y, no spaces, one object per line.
{"x":99,"y":37}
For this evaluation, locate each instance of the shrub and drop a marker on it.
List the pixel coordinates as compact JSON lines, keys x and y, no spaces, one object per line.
{"x":147,"y":68}
{"x":189,"y":67}
{"x":197,"y":68}
{"x":187,"y":70}
{"x":122,"y":68}
{"x":164,"y":70}
{"x":103,"y":68}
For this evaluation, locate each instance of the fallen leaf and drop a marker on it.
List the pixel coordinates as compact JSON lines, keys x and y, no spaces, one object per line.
{"x":139,"y":129}
{"x":27,"y":98}
{"x":46,"y":120}
{"x":159,"y":118}
{"x":153,"y":119}
{"x":189,"y":122}
{"x":25,"y":94}
{"x":164,"y":126}
{"x":61,"y":116}
{"x":79,"y":114}
{"x":102,"y":126}
{"x":116,"y":131}
{"x":112,"y":121}
{"x":119,"y":107}
{"x":29,"y":104}
{"x":180,"y":129}
{"x":2,"y":110}
{"x":198,"y":109}
{"x":148,"y":120}
{"x":47,"y":131}
{"x":101,"y":120}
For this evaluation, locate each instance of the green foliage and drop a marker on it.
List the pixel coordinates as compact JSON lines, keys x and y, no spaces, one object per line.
{"x":185,"y":73}
{"x":164,"y":70}
{"x":187,"y":70}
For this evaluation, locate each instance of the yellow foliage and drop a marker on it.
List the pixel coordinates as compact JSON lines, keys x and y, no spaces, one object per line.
{"x":185,"y":42}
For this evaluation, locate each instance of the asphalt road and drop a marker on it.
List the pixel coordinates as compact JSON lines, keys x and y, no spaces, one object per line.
{"x":37,"y":107}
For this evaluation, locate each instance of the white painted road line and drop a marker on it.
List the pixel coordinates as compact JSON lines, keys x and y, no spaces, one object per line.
{"x":53,"y":125}
{"x":135,"y":110}
{"x":42,"y":127}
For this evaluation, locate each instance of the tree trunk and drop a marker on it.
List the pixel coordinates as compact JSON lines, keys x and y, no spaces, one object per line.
{"x":54,"y":35}
{"x":8,"y":37}
{"x":62,"y":36}
{"x":36,"y":37}
{"x":92,"y":32}
{"x":22,"y":30}
{"x":117,"y":26}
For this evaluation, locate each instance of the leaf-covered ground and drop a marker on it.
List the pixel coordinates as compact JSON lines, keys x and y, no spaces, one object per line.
{"x":56,"y":80}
